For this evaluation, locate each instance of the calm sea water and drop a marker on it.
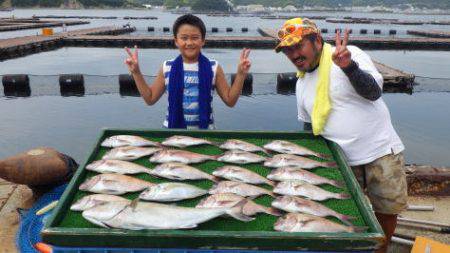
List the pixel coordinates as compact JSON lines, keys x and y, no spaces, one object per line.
{"x":71,"y":124}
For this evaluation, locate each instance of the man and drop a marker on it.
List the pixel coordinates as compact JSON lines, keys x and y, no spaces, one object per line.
{"x":339,"y":96}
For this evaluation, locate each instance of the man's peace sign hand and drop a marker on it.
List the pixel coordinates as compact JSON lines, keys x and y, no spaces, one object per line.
{"x":341,"y":56}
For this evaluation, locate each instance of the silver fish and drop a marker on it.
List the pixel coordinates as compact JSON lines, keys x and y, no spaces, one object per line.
{"x":90,"y":201}
{"x":290,"y":173}
{"x":166,"y":192}
{"x":128,"y":140}
{"x":117,"y":166}
{"x":239,"y":174}
{"x":284,"y":160}
{"x":185,"y":141}
{"x":180,"y":171}
{"x":234,"y":144}
{"x":301,"y":188}
{"x":293,"y":204}
{"x":298,"y":222}
{"x":129,"y":153}
{"x":114,"y":184}
{"x":287,"y":147}
{"x":148,"y":215}
{"x":242,"y":189}
{"x":180,"y":156}
{"x":240,"y":157}
{"x":230,"y":199}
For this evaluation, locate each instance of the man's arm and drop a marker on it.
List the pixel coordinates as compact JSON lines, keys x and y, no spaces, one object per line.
{"x":364,"y":83}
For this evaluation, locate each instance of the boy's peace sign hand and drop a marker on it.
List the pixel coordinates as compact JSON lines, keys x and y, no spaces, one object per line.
{"x":244,"y":62}
{"x":341,"y":56}
{"x":132,"y":61}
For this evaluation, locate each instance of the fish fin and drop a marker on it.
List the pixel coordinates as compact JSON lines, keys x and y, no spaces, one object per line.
{"x":329,"y":164}
{"x":267,"y":152}
{"x":343,"y":196}
{"x":338,"y":184}
{"x":134,"y":204}
{"x":346,"y":219}
{"x":323,"y":156}
{"x":273,"y":211}
{"x":270,"y":193}
{"x":215,"y":179}
{"x":271,"y":183}
{"x":237,"y":211}
{"x":359,"y":229}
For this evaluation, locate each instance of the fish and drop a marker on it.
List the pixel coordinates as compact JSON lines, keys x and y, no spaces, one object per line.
{"x":166,"y":192}
{"x":117,"y":166}
{"x":114,"y":184}
{"x":92,"y":200}
{"x":180,"y":156}
{"x":150,"y":215}
{"x":128,"y":140}
{"x":241,"y":189}
{"x":298,"y":222}
{"x":234,"y":144}
{"x":287,"y":147}
{"x":129,"y":153}
{"x":239,"y":174}
{"x":284,"y":160}
{"x":290,"y":173}
{"x":230,"y":199}
{"x":293,"y":204}
{"x":302,"y":188}
{"x":180,"y":141}
{"x":180,"y":171}
{"x":240,"y":157}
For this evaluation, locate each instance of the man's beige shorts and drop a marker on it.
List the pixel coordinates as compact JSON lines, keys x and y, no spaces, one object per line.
{"x":384,"y":182}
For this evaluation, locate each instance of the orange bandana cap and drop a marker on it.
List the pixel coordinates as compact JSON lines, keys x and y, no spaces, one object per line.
{"x":293,"y":31}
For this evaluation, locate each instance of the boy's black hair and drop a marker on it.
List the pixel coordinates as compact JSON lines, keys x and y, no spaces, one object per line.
{"x":189,"y":19}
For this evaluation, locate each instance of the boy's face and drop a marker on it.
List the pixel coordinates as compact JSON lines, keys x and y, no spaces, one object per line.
{"x":189,"y":41}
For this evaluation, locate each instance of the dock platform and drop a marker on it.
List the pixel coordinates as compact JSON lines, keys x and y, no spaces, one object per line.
{"x":430,"y":34}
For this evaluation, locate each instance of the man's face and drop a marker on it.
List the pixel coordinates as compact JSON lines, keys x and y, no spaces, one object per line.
{"x":305,"y":55}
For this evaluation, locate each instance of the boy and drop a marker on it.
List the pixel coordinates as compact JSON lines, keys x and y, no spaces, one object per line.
{"x":190,"y":78}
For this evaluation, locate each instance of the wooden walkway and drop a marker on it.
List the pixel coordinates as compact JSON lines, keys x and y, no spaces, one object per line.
{"x":8,"y":26}
{"x":21,"y":46}
{"x":430,"y":34}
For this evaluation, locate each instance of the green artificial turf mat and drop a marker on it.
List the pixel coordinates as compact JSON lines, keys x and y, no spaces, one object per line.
{"x":263,"y":222}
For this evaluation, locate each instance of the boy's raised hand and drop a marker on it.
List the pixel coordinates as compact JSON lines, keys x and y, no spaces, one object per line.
{"x":342,"y":56}
{"x":244,"y":62}
{"x":132,"y":61}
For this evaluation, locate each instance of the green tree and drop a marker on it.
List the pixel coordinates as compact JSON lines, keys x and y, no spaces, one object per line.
{"x":210,"y":5}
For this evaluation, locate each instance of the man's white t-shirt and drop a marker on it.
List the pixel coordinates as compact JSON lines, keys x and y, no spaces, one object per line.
{"x":361,"y":127}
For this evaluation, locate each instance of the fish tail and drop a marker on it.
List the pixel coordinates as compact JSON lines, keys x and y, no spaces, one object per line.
{"x":338,"y":184}
{"x":359,"y":229}
{"x":271,"y":183}
{"x":329,"y":164}
{"x":215,"y":157}
{"x":346,"y":219}
{"x":323,"y":156}
{"x":237,"y":211}
{"x":267,"y":152}
{"x":215,"y":179}
{"x":343,"y":196}
{"x":272,"y":211}
{"x":271,"y":194}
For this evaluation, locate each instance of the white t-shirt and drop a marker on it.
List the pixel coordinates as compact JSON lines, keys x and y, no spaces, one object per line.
{"x":361,"y":127}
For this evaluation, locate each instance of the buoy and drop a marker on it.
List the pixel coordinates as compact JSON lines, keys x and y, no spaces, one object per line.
{"x":338,"y":29}
{"x":324,"y":30}
{"x":166,"y":29}
{"x":71,"y":84}
{"x":229,"y":29}
{"x":38,"y":167}
{"x":16,"y":85}
{"x":376,"y":31}
{"x":286,"y":83}
{"x":247,"y":88}
{"x":151,"y":29}
{"x":392,"y":32}
{"x":244,"y":29}
{"x":127,"y":86}
{"x":363,"y":31}
{"x":215,"y":30}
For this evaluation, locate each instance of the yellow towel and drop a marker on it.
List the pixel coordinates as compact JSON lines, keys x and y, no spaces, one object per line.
{"x":322,"y":102}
